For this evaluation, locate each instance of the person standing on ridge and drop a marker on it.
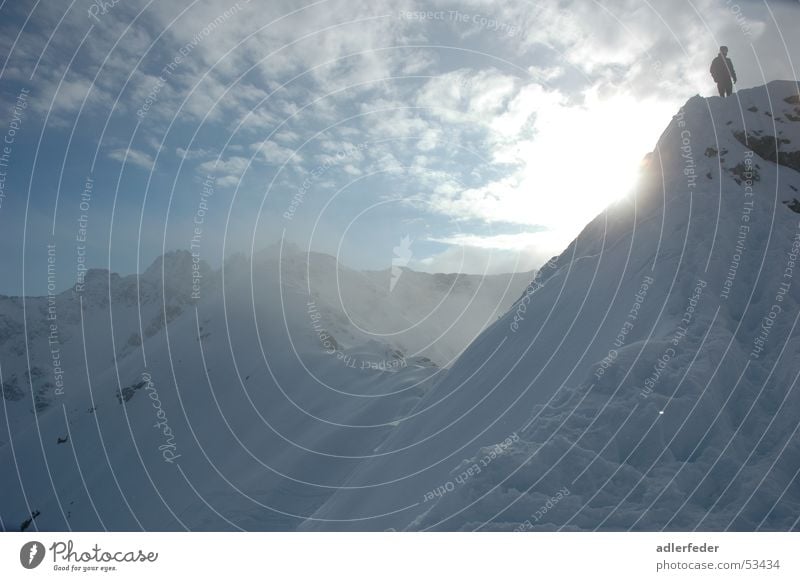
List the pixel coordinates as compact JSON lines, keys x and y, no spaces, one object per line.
{"x":722,"y":72}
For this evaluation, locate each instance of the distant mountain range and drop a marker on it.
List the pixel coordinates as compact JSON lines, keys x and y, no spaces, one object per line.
{"x":241,"y":347}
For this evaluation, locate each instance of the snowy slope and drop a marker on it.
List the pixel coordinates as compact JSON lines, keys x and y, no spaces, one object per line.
{"x":222,"y":412}
{"x":648,"y":379}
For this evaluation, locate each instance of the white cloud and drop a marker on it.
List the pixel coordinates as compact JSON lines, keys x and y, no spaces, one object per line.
{"x":493,"y":253}
{"x":195,"y":153}
{"x":228,"y":171}
{"x":275,"y":154}
{"x":234,"y":164}
{"x":466,"y":96}
{"x":228,"y":181}
{"x":477,"y":260}
{"x":133,"y":156}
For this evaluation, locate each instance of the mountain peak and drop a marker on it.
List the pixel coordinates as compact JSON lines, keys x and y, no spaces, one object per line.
{"x":172,"y":261}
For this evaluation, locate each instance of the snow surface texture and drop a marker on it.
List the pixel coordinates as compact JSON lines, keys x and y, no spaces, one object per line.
{"x":244,"y":408}
{"x":646,"y":379}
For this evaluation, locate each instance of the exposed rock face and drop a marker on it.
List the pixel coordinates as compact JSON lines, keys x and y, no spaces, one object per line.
{"x":771,"y":148}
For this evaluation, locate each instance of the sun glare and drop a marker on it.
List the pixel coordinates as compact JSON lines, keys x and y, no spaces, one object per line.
{"x":582,"y":159}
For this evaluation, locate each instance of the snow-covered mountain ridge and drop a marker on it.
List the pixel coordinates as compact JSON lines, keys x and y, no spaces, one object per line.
{"x":646,"y":380}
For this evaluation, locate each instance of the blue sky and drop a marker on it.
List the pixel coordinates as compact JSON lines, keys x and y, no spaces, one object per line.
{"x":489,"y":133}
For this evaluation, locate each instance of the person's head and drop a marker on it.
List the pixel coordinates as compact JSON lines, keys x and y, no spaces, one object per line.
{"x":723,"y":50}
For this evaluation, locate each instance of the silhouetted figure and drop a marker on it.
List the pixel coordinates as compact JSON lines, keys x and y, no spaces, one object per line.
{"x":722,"y":72}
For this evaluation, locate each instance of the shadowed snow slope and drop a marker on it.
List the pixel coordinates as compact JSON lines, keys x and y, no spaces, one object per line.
{"x":647,"y":380}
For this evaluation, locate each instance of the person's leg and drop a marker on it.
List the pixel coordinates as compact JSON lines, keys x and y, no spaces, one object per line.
{"x":721,"y":89}
{"x":729,"y":88}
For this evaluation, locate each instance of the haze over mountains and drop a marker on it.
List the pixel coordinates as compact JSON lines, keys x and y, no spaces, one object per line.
{"x":289,"y":347}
